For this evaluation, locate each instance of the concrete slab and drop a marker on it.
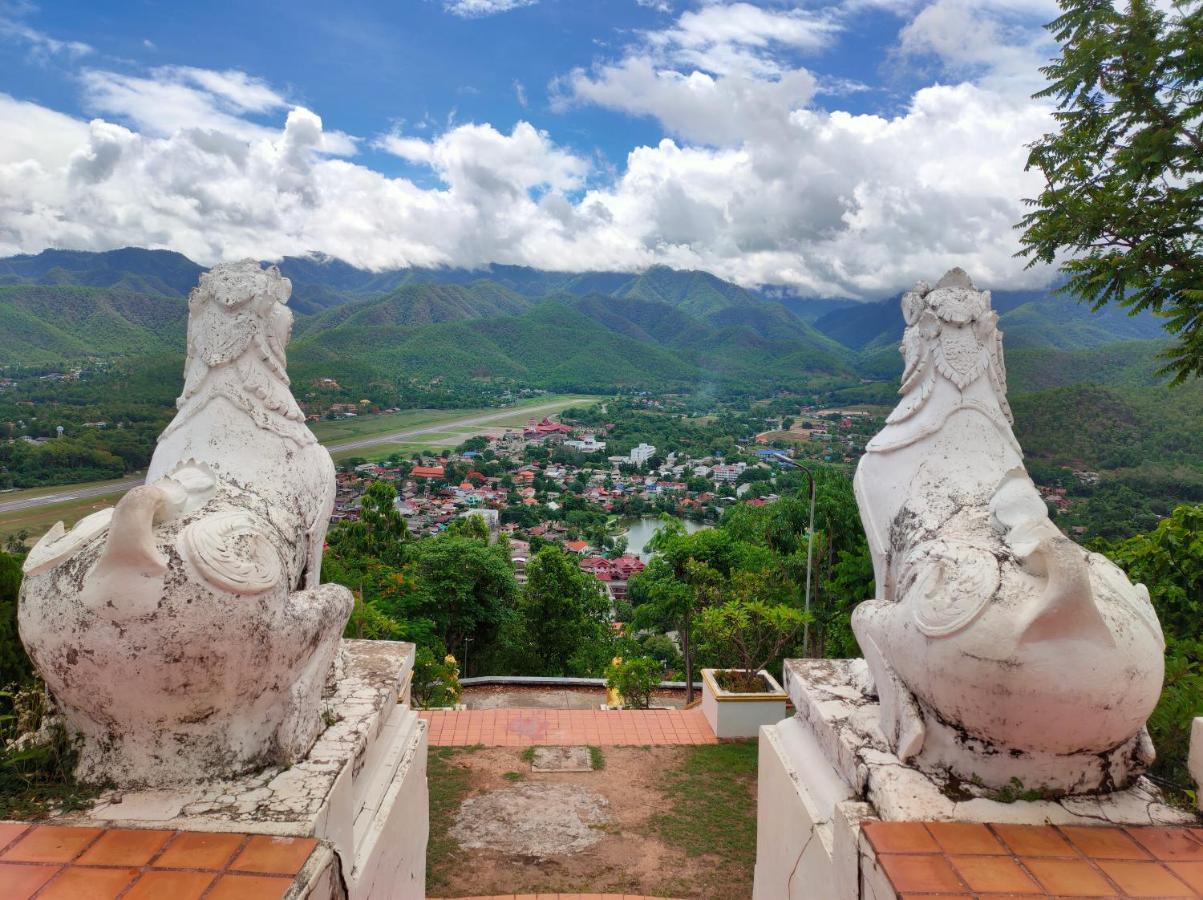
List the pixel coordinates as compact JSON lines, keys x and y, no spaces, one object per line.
{"x":562,"y":759}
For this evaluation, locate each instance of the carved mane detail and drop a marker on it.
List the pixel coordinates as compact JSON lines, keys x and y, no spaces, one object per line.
{"x":238,"y":328}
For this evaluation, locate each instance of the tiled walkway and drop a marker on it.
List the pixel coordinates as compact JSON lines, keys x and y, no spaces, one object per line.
{"x":557,"y":727}
{"x":67,"y":863}
{"x":952,"y":859}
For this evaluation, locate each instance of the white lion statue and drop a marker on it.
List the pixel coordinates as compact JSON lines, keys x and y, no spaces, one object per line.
{"x":186,"y":633}
{"x":999,"y":648}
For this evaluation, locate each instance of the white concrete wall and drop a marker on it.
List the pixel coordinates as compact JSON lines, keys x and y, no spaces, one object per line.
{"x":390,"y":860}
{"x":807,"y":826}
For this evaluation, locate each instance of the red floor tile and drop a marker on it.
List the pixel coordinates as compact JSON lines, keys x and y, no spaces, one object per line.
{"x":167,"y":885}
{"x":1144,"y":879}
{"x":51,"y":844}
{"x":1103,"y":843}
{"x":199,"y":850}
{"x":10,"y":831}
{"x":1175,"y":844}
{"x":19,"y":881}
{"x":249,"y":887}
{"x":269,"y":855}
{"x":510,"y":728}
{"x":88,"y":884}
{"x":124,"y":847}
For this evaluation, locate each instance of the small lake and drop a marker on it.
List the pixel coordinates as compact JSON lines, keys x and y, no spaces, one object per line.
{"x":640,"y":531}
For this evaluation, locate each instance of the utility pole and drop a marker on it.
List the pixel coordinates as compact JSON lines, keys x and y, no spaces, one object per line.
{"x":810,"y":543}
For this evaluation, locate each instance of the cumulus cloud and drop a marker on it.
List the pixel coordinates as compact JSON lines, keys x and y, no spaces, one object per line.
{"x":175,"y":98}
{"x":1008,"y":44}
{"x":753,"y":180}
{"x":475,"y":9}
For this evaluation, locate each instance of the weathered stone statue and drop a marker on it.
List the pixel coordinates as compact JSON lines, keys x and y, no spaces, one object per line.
{"x":186,"y":634}
{"x":999,"y":648}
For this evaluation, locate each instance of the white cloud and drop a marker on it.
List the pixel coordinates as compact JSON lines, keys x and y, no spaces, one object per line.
{"x":176,"y":98}
{"x":40,"y":44}
{"x":1000,"y":43}
{"x":718,"y":75}
{"x":739,"y":37}
{"x":756,"y":183}
{"x":475,"y":9}
{"x":478,"y":160}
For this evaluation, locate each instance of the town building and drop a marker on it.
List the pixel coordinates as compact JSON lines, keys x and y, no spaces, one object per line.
{"x":642,"y":453}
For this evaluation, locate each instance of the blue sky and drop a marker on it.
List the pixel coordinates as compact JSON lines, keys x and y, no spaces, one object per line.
{"x":835,"y":148}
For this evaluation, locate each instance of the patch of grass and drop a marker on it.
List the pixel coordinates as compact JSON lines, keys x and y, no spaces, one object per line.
{"x":527,"y":755}
{"x":711,"y":803}
{"x":39,"y":779}
{"x":449,"y":783}
{"x":513,"y":776}
{"x":1015,"y":791}
{"x":596,"y":758}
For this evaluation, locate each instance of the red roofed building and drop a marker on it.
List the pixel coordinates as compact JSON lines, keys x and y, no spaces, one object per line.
{"x":426,"y":472}
{"x":547,"y":426}
{"x":577,"y":547}
{"x":626,"y":566}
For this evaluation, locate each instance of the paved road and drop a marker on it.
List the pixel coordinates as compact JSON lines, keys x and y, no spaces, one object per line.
{"x":112,"y":487}
{"x":69,"y":493}
{"x":398,"y":436}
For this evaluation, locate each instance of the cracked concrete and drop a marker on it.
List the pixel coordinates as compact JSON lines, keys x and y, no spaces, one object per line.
{"x":536,"y":819}
{"x":289,"y":800}
{"x":843,"y":718}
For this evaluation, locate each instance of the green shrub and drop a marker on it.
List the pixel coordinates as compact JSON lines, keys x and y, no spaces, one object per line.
{"x":436,"y":681}
{"x":635,"y":679}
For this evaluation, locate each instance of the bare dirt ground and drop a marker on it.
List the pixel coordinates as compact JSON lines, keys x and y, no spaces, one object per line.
{"x":621,"y":829}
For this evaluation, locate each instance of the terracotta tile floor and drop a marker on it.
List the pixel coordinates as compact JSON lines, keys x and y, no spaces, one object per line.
{"x":558,"y":727}
{"x":966,"y":860}
{"x":51,"y":861}
{"x":564,"y":897}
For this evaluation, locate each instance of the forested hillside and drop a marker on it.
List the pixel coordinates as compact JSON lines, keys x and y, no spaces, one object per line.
{"x":44,"y":324}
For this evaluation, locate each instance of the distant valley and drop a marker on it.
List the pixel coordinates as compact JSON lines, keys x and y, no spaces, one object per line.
{"x":1085,"y":386}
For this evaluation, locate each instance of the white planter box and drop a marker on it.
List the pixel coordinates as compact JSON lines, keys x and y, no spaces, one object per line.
{"x":733,"y":715}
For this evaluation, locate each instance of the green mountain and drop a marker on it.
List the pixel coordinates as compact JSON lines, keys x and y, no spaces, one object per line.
{"x":45,"y":325}
{"x":659,"y":328}
{"x":422,"y":304}
{"x":161,"y":272}
{"x":551,"y":345}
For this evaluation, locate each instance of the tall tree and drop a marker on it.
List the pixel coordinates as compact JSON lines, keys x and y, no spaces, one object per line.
{"x":563,"y":618}
{"x":1123,"y":174}
{"x":465,"y":587}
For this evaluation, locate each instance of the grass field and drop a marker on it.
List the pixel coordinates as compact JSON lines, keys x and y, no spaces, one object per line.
{"x":377,"y":452}
{"x":24,"y":493}
{"x":39,"y":520}
{"x":358,"y":428}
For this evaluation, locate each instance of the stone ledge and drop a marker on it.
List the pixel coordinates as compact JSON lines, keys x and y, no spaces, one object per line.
{"x":278,"y":800}
{"x":843,"y":719}
{"x":361,"y":788}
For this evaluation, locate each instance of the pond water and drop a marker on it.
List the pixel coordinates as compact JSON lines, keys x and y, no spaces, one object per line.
{"x":640,"y":531}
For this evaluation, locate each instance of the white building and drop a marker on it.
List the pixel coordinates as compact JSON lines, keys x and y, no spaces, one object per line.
{"x":642,"y":453}
{"x":728,"y":473}
{"x":587,"y":444}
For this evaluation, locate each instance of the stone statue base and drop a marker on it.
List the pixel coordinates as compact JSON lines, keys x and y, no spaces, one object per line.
{"x":361,"y":789}
{"x":828,"y":769}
